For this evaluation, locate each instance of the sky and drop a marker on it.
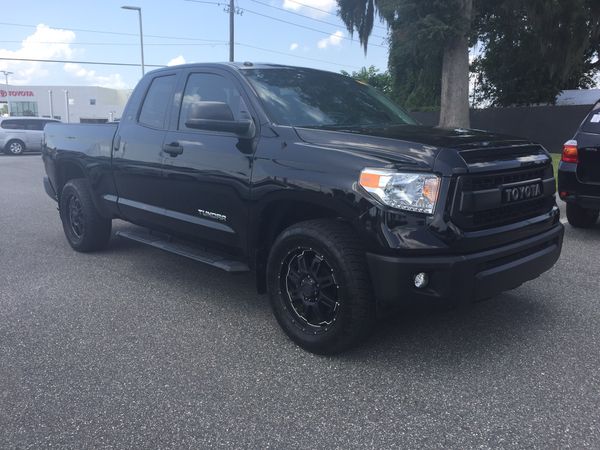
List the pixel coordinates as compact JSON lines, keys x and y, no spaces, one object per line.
{"x":298,"y":32}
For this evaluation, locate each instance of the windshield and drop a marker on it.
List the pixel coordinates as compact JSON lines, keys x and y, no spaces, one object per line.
{"x":316,"y":99}
{"x":592,"y":122}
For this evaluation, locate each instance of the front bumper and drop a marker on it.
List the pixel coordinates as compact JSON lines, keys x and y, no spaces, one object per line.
{"x":465,"y":278}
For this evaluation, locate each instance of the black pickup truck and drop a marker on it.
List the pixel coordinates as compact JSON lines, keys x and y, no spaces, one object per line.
{"x":337,"y":200}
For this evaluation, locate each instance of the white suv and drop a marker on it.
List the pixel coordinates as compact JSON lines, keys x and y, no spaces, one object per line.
{"x":20,"y":134}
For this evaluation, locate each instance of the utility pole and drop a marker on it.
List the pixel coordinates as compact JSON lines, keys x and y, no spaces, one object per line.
{"x":232,"y":10}
{"x":231,"y":27}
{"x":67,"y":106}
{"x":6,"y":74}
{"x":51,"y":100}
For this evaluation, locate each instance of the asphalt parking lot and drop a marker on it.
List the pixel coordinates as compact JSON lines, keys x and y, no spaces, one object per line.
{"x":133,"y":347}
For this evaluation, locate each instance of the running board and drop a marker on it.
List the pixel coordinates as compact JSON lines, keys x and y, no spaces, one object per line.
{"x":223,"y":262}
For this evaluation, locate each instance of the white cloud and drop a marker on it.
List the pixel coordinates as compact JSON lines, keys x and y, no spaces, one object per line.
{"x":294,"y":46}
{"x":311,"y":7}
{"x":335,"y":39}
{"x":44,"y":43}
{"x":51,"y":43}
{"x":114,"y":80}
{"x":176,"y":61}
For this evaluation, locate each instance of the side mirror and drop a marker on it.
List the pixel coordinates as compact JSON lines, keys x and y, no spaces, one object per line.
{"x":217,"y":116}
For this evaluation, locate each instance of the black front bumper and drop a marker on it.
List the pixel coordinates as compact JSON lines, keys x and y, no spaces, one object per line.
{"x":465,"y":278}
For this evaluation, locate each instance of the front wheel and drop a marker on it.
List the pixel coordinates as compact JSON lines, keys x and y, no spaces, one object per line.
{"x":319,"y":286}
{"x":86,"y":230}
{"x":581,"y":217}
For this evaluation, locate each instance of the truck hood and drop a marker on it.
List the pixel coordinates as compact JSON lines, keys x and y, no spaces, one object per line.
{"x":408,"y":144}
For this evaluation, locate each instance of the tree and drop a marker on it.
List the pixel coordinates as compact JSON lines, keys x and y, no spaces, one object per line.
{"x":372,"y":77}
{"x":534,"y":49}
{"x":432,"y":33}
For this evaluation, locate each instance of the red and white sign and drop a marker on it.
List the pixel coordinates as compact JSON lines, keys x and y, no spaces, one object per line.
{"x":4,"y":93}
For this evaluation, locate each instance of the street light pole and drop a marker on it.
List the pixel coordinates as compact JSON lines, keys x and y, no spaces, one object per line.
{"x":139,"y":10}
{"x":231,"y":29}
{"x":6,"y":74}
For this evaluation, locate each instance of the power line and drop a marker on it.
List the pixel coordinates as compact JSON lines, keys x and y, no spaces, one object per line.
{"x":328,"y":33}
{"x":307,"y":17}
{"x":66,"y":61}
{"x":327,"y":12}
{"x":123,"y":44}
{"x":85,"y":30}
{"x":295,"y":56}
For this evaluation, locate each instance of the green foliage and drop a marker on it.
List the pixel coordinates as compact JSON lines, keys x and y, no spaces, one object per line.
{"x":418,"y":32}
{"x":372,"y":77}
{"x":533,"y":49}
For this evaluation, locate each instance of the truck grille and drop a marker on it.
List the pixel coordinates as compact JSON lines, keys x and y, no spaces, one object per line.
{"x":479,"y":202}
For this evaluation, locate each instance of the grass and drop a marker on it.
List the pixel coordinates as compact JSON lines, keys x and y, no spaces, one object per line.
{"x":555,"y":160}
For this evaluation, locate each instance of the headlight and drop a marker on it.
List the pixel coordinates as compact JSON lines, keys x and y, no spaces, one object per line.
{"x":410,"y":191}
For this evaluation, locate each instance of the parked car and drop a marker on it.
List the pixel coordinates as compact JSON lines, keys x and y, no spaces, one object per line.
{"x":337,"y":200}
{"x":21,"y":134}
{"x":579,"y":172}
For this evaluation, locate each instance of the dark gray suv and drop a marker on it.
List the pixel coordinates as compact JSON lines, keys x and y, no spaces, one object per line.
{"x":21,"y":134}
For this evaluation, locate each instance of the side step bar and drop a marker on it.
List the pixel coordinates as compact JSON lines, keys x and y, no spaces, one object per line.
{"x":179,"y":248}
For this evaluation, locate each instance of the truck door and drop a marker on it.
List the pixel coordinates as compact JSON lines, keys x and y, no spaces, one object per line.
{"x":137,"y":151}
{"x":208,"y":172}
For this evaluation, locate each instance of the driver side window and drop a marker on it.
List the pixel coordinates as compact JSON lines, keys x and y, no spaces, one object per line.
{"x":208,"y":87}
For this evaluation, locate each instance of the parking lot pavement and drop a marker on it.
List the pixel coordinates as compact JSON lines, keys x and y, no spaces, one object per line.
{"x":133,"y":347}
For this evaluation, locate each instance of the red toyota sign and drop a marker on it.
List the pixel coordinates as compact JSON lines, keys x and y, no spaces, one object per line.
{"x":3,"y":93}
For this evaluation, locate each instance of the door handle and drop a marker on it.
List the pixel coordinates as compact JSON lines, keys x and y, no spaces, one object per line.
{"x":173,"y":149}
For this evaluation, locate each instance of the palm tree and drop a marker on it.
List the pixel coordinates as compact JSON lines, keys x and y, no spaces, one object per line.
{"x":454,"y":19}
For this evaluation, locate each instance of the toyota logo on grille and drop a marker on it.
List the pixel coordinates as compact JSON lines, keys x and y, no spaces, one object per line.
{"x":523,"y":192}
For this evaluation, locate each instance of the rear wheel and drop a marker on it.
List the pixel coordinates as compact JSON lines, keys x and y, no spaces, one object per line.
{"x":319,"y":286}
{"x":86,"y":230}
{"x":14,"y":147}
{"x":581,"y":217}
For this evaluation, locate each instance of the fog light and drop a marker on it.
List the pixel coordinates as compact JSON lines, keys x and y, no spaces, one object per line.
{"x":421,"y":280}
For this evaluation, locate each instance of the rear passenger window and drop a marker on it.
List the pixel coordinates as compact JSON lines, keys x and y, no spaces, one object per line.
{"x":37,"y":125}
{"x":592,"y":121}
{"x":157,"y":102}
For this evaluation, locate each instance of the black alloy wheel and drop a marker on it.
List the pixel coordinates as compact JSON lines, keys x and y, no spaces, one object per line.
{"x":311,"y":291}
{"x":85,"y":228}
{"x":319,"y":286}
{"x":75,"y":216}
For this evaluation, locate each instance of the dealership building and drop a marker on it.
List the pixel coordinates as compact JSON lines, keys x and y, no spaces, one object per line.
{"x":71,"y":104}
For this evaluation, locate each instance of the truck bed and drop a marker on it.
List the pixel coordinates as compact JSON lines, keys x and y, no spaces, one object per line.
{"x":91,"y":139}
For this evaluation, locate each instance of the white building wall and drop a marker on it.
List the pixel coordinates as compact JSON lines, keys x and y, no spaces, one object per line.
{"x":109,"y":103}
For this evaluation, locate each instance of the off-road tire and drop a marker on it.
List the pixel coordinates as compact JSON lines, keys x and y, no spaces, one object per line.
{"x":342,"y":254}
{"x":85,"y":229}
{"x":581,"y":217}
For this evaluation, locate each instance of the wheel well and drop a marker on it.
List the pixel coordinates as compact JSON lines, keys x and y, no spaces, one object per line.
{"x":15,"y":140}
{"x":276,"y":218}
{"x":68,"y":171}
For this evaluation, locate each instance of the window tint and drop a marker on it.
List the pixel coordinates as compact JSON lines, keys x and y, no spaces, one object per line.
{"x":157,"y":101}
{"x":592,"y":121}
{"x":37,"y":125}
{"x":208,"y":87}
{"x":312,"y":98}
{"x":13,"y":125}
